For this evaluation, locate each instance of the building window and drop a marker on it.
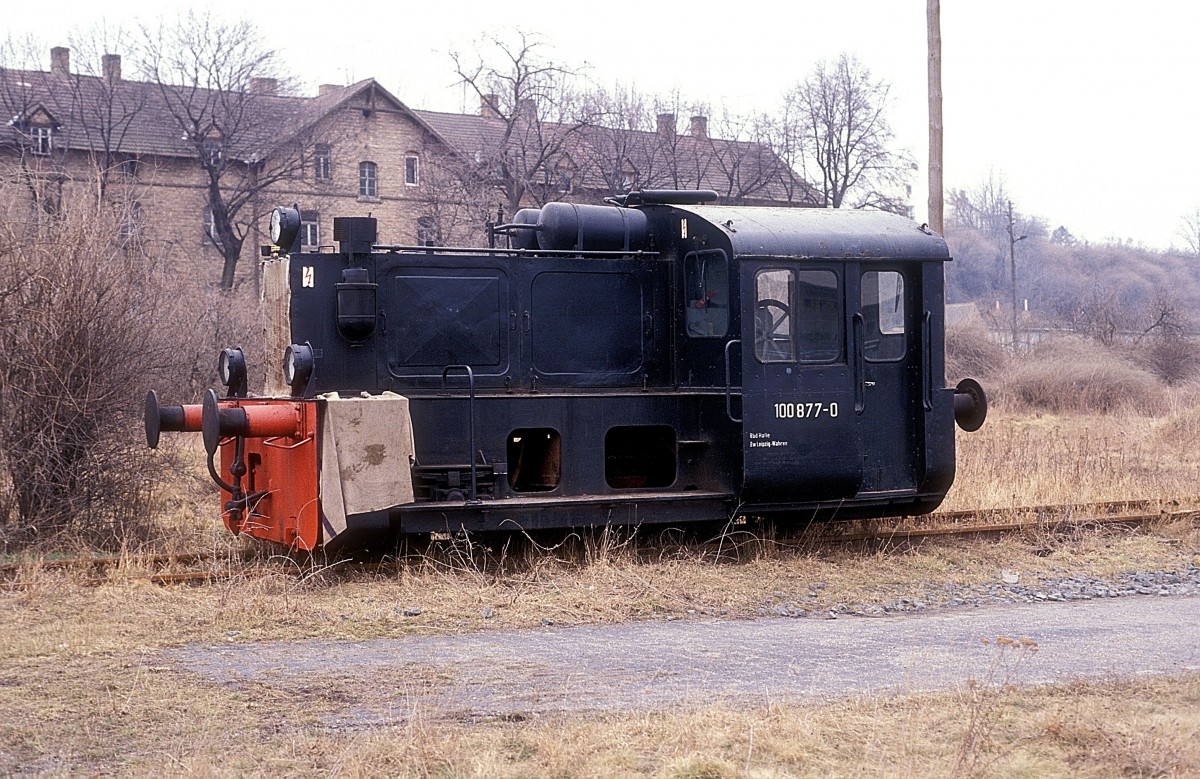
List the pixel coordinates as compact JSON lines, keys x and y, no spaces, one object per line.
{"x":212,"y":154}
{"x":41,"y":139}
{"x":412,"y":171}
{"x":310,"y":231}
{"x":130,"y":168}
{"x":132,"y":219}
{"x":321,"y":162}
{"x":565,"y":181}
{"x":210,"y":228}
{"x":427,"y":231}
{"x":367,"y":180}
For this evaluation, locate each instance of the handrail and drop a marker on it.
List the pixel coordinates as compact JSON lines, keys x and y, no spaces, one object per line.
{"x":729,"y":381}
{"x":860,"y":369}
{"x":471,"y":384}
{"x":927,"y":360}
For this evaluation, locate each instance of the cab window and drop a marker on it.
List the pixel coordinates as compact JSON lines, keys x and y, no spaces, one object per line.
{"x":884,"y":337}
{"x":706,"y":279}
{"x":819,"y":321}
{"x":773,"y":303}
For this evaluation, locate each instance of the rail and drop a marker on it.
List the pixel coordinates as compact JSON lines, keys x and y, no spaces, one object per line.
{"x":207,"y":567}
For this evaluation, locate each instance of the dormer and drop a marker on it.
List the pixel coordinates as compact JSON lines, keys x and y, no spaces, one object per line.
{"x":38,"y":126}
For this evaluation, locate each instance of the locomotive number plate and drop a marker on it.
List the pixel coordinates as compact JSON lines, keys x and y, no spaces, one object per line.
{"x":805,"y":410}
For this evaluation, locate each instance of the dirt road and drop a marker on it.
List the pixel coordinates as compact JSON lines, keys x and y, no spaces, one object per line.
{"x":672,"y":664}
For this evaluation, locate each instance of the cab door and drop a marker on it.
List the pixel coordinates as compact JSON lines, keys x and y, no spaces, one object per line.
{"x":889,"y":353}
{"x":800,"y":435}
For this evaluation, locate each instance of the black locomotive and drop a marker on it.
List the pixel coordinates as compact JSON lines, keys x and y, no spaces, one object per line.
{"x":653,"y":360}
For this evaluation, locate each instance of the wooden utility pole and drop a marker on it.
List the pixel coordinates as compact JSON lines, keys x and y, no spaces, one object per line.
{"x":933,"y":16}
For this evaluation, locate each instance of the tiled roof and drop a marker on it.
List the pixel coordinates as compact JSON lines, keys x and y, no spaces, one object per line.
{"x":137,"y":117}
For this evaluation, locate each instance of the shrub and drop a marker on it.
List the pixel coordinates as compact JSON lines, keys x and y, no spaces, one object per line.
{"x":1172,"y":359}
{"x":1075,"y":375}
{"x":88,"y":322}
{"x":971,"y":352}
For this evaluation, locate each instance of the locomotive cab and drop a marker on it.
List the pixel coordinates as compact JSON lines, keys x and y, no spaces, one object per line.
{"x":658,"y":359}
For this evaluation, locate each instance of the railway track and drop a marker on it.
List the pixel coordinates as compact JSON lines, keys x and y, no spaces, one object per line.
{"x":205,"y":567}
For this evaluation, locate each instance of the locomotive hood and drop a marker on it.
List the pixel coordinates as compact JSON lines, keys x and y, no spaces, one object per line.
{"x":821,"y":232}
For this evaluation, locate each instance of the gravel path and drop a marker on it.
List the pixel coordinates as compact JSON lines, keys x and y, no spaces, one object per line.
{"x":687,"y":662}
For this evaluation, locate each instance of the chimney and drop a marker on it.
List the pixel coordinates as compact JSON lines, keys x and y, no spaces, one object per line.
{"x":111,"y":64}
{"x":325,"y":89}
{"x":264,"y":86}
{"x":489,"y":106}
{"x":666,"y":125}
{"x":60,"y":61}
{"x":700,"y":127}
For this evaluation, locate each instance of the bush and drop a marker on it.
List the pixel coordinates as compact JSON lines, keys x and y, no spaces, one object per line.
{"x":1173,"y":359}
{"x":88,"y":323}
{"x":1076,"y":375}
{"x":971,"y":353}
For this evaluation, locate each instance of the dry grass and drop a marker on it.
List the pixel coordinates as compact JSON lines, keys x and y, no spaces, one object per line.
{"x":80,"y":691}
{"x":116,"y":713}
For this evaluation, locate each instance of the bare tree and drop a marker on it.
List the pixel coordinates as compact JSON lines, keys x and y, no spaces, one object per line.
{"x":842,"y":137}
{"x":536,"y":113}
{"x":28,"y":99}
{"x":744,"y":161}
{"x":1189,"y":231}
{"x":617,"y":143}
{"x":216,"y":81}
{"x":107,"y":105}
{"x":985,"y":207}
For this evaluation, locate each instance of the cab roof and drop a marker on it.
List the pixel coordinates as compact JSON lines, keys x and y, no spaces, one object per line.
{"x":821,"y":233}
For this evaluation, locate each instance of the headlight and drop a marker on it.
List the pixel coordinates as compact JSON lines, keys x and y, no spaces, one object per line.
{"x":297,"y":366}
{"x":231,"y":369}
{"x":285,"y":225}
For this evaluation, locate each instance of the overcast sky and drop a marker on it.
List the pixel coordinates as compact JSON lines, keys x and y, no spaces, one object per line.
{"x":1086,"y":110}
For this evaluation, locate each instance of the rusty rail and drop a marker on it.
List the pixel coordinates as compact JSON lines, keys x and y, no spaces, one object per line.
{"x":163,"y":568}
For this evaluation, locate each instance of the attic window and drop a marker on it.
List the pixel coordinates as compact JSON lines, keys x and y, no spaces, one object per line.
{"x":212,"y":153}
{"x":41,"y":139}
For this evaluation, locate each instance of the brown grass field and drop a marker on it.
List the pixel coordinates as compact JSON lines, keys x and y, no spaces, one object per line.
{"x":81,"y":692}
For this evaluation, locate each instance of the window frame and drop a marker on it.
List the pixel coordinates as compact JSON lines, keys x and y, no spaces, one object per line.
{"x":803,"y":316}
{"x":310,"y":222}
{"x":412,"y":170}
{"x":210,"y":228}
{"x":875,"y":324}
{"x":760,"y":336}
{"x":706,"y":299}
{"x":322,"y":163}
{"x":368,"y":179}
{"x":41,"y":140}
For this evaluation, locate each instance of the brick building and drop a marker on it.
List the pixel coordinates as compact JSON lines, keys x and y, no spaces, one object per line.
{"x":156,"y":154}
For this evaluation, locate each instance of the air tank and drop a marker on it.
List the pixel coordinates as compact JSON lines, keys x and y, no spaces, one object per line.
{"x":524,"y":239}
{"x":569,"y":226}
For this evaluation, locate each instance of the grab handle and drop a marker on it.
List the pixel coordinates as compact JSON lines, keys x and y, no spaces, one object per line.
{"x":729,"y":381}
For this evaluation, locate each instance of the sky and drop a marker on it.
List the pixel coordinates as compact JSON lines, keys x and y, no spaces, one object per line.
{"x":1086,"y":111}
